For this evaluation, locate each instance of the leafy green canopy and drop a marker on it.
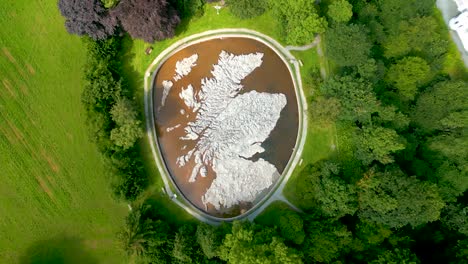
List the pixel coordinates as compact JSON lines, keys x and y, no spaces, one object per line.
{"x":357,"y":99}
{"x":112,"y":118}
{"x":377,"y":143}
{"x":128,"y":129}
{"x":325,"y":239}
{"x":341,"y":39}
{"x":407,"y":75}
{"x":340,"y":11}
{"x":456,"y":218}
{"x":245,"y":245}
{"x":418,"y":35}
{"x":246,"y":8}
{"x":299,"y":20}
{"x":443,"y":107}
{"x":320,"y":187}
{"x":394,"y":199}
{"x":401,"y":256}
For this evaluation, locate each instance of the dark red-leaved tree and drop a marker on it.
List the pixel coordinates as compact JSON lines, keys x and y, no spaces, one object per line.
{"x":87,"y":17}
{"x":149,"y":20}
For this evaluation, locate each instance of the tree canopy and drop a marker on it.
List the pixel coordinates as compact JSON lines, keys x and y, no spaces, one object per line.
{"x":147,"y":20}
{"x":443,"y":107}
{"x":87,"y":17}
{"x":342,"y":38}
{"x":299,"y":19}
{"x":394,"y":199}
{"x":340,"y":11}
{"x":320,"y":187}
{"x":357,"y":99}
{"x":246,"y":8}
{"x":244,"y":245}
{"x":377,"y":144}
{"x":407,"y":74}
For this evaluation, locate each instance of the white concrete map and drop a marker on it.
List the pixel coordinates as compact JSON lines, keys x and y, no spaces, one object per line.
{"x":229,"y":129}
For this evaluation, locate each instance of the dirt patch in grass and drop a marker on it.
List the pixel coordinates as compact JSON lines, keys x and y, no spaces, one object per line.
{"x":30,"y":69}
{"x":8,"y":55}
{"x":24,"y":89}
{"x":45,"y":187}
{"x":18,"y":134}
{"x":52,"y":164}
{"x":9,"y":87}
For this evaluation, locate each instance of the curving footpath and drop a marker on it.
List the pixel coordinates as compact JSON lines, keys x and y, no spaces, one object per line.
{"x":170,"y":186}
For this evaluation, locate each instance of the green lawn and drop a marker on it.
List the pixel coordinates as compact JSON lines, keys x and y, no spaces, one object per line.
{"x":270,"y":216}
{"x":310,"y":61}
{"x":55,"y":202}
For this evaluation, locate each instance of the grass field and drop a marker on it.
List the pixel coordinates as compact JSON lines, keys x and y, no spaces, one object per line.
{"x":55,"y":202}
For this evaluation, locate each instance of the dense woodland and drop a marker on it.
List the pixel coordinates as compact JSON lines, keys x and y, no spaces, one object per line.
{"x":394,"y":192}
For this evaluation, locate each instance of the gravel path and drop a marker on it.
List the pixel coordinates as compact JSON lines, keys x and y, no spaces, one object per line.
{"x":305,"y":47}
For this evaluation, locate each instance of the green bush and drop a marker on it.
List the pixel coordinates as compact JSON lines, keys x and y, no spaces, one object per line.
{"x":245,"y":9}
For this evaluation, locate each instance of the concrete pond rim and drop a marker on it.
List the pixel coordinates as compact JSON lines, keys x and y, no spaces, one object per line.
{"x":171,"y":188}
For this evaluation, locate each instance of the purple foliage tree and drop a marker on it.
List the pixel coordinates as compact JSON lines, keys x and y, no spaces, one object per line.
{"x":87,"y":17}
{"x":149,"y":20}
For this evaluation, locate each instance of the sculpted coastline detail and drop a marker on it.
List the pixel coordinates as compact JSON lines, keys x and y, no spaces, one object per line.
{"x":221,"y":128}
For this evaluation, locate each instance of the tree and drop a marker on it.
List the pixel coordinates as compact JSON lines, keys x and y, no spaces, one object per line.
{"x":371,"y":234}
{"x":325,"y":239}
{"x":357,"y":99}
{"x":291,"y":226}
{"x":392,"y":12}
{"x":128,"y":129}
{"x":420,"y":35}
{"x":390,"y":115}
{"x":407,"y":75}
{"x":340,"y":11}
{"x":377,"y":143}
{"x":244,"y":246}
{"x":141,"y":233}
{"x":348,"y":45}
{"x":443,"y":107}
{"x":147,"y":20}
{"x":451,"y":150}
{"x":393,"y":199}
{"x":322,"y":188}
{"x":246,"y":8}
{"x":462,"y":250}
{"x":400,"y":256}
{"x":209,"y":240}
{"x":184,"y":249}
{"x":189,"y":8}
{"x":299,"y":20}
{"x":87,"y":17}
{"x":456,"y":218}
{"x":452,"y":180}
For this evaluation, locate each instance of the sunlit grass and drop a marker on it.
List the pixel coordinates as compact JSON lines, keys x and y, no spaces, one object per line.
{"x":54,"y":184}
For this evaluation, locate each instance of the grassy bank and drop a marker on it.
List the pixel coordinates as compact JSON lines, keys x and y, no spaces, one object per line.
{"x":54,"y":190}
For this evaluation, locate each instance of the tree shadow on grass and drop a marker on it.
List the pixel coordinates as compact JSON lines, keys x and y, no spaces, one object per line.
{"x":66,"y":250}
{"x":132,"y":80}
{"x":182,"y":27}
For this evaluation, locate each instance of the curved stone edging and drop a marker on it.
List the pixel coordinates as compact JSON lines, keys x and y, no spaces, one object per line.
{"x":277,"y":189}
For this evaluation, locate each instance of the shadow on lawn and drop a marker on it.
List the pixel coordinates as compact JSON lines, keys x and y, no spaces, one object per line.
{"x":57,"y":250}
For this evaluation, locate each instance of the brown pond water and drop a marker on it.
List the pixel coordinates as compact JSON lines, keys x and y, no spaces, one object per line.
{"x":272,"y":76}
